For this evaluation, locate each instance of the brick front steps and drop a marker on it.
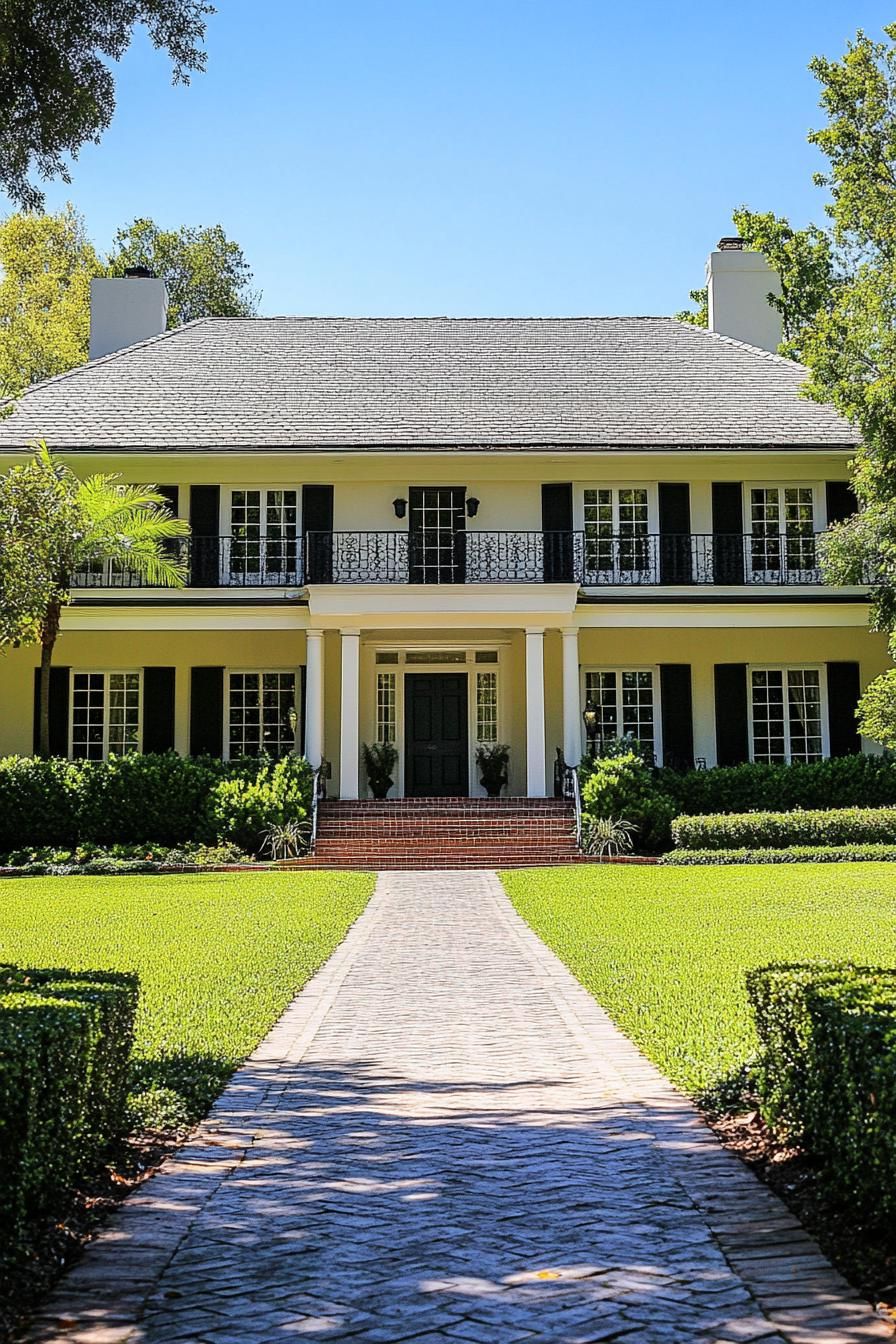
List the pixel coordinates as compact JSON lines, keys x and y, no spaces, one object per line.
{"x":445,"y":833}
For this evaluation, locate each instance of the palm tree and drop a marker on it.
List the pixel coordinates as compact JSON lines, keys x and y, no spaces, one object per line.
{"x":52,"y":525}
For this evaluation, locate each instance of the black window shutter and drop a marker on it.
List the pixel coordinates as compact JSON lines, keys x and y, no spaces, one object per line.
{"x":841,"y":501}
{"x":172,"y":497}
{"x":556,"y":524}
{"x":675,"y":532}
{"x":158,"y":709}
{"x":206,"y":711}
{"x":317,"y":519}
{"x":60,"y":678}
{"x":205,"y":523}
{"x":843,"y":696}
{"x":727,"y":532}
{"x":678,"y":715}
{"x":732,"y":723}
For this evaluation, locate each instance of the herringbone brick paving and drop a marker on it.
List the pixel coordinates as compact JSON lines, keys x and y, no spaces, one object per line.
{"x":444,"y":1138}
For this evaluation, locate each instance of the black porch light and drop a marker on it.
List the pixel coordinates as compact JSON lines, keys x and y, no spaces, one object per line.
{"x":400,"y":506}
{"x":589,"y":716}
{"x":472,"y":506}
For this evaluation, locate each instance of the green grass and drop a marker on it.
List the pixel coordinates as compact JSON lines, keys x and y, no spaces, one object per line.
{"x":664,"y":950}
{"x":219,"y":956}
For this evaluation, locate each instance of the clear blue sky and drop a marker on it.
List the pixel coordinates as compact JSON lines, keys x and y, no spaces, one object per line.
{"x":473,"y":156}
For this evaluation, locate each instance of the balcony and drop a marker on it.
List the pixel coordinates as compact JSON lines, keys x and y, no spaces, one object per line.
{"x":468,"y":557}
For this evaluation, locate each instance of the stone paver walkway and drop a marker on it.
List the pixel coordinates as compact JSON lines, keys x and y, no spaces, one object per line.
{"x":444,"y":1138}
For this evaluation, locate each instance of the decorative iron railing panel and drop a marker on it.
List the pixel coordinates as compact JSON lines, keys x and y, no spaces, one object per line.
{"x":588,"y":559}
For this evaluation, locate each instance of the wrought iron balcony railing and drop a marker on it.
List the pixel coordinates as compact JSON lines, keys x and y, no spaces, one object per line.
{"x":589,"y":559}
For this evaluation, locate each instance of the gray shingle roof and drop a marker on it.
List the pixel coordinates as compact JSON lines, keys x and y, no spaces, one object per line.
{"x":490,"y":383}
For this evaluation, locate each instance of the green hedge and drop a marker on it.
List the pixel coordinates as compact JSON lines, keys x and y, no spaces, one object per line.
{"x":621,"y":785}
{"x":65,"y":1045}
{"x":827,"y":1072}
{"x":167,"y":799}
{"x":777,"y":830}
{"x":698,"y":858}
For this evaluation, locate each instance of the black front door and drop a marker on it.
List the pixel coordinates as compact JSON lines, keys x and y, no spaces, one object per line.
{"x":436,"y":735}
{"x":436,"y":534}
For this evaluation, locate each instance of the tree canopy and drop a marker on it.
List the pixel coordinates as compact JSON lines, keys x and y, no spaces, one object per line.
{"x":51,"y":525}
{"x":206,"y":272}
{"x":48,"y":262}
{"x":57,"y":90}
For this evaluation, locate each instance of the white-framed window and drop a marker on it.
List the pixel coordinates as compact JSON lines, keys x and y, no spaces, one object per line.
{"x":105,"y":714}
{"x":626,"y":703}
{"x":264,"y":534}
{"x":260,"y":713}
{"x":386,"y":706}
{"x":782,"y":530}
{"x":616,"y":523}
{"x":486,"y":707}
{"x":787,"y":714}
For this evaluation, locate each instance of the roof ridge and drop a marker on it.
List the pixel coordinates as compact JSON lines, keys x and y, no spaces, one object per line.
{"x":744,"y":345}
{"x":100,"y":359}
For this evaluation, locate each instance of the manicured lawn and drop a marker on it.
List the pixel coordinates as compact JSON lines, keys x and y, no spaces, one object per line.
{"x":664,"y":950}
{"x":219,"y":955}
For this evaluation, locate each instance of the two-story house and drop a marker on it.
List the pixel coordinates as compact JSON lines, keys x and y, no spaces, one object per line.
{"x":445,"y":532}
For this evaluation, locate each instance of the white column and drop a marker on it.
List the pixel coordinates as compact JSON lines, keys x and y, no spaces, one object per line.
{"x":535,"y":764}
{"x":572,"y":729}
{"x":314,"y":698}
{"x":348,"y":737}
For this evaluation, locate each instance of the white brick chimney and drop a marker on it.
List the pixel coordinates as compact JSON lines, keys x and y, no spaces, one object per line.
{"x":739,"y":283}
{"x":126,"y":310}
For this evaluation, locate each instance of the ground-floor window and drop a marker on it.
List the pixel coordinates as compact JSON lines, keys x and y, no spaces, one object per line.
{"x":786,"y":712}
{"x":625,"y":703}
{"x":105,"y":714}
{"x":261,"y":713}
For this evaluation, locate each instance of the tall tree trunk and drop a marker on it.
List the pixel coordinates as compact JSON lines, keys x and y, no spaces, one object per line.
{"x":48,"y":634}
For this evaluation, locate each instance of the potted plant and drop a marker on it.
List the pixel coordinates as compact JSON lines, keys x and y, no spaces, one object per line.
{"x":492,"y":759}
{"x":379,"y":762}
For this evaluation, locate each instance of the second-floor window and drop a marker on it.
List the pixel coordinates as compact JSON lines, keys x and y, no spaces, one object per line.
{"x":617,"y":532}
{"x":782,"y":529}
{"x":264,"y":536}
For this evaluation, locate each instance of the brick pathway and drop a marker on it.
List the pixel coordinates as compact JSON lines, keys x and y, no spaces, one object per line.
{"x":444,"y":1138}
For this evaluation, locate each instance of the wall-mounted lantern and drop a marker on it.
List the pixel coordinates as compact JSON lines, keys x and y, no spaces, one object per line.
{"x":472,"y":506}
{"x":400,"y":506}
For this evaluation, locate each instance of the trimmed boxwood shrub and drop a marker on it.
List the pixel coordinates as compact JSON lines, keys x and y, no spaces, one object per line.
{"x":826,"y":1074}
{"x":697,"y":858}
{"x":65,"y":1044}
{"x":776,"y":830}
{"x":624,"y":787}
{"x":166,"y":799}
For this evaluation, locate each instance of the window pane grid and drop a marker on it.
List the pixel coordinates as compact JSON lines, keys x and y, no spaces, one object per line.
{"x":782,"y":527}
{"x":259,"y":705}
{"x":624,"y":704}
{"x":786,"y":704}
{"x":486,"y":706}
{"x":105,"y":714}
{"x":617,"y":529}
{"x":386,"y":707}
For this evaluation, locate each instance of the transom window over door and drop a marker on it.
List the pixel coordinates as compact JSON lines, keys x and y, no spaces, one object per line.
{"x":786,"y":714}
{"x":105,"y":714}
{"x":436,"y":526}
{"x":624,"y":701}
{"x":617,"y":533}
{"x":260,"y":705}
{"x":782,"y":529}
{"x":264,"y":536}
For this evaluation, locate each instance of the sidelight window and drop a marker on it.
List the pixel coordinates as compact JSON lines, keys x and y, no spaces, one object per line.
{"x":486,"y":706}
{"x":105,"y":714}
{"x":386,"y":707}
